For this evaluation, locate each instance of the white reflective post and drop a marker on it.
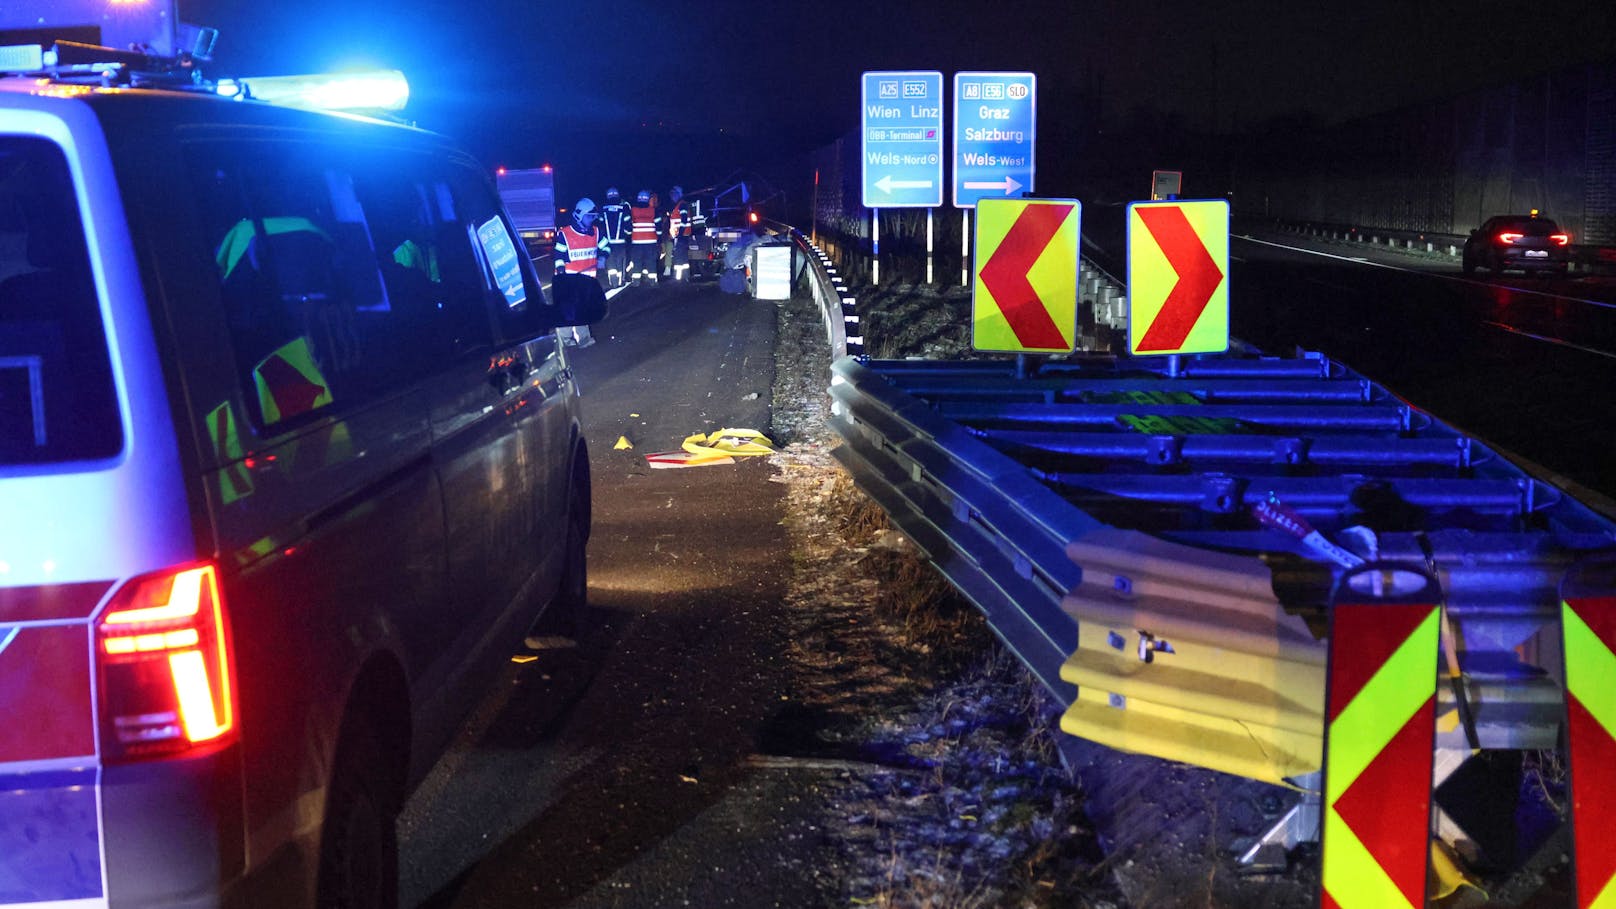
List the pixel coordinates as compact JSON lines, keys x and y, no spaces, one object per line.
{"x":965,"y":247}
{"x":928,"y":246}
{"x":875,"y":237}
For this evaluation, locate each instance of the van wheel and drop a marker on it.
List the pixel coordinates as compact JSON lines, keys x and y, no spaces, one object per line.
{"x":359,"y":842}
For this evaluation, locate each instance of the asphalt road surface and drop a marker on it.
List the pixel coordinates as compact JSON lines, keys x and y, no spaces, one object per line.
{"x":1527,"y":364}
{"x":614,"y":774}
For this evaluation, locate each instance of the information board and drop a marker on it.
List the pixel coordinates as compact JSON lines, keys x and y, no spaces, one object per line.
{"x":902,"y":139}
{"x":995,"y":128}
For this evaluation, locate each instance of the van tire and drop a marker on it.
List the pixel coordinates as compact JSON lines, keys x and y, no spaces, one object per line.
{"x":572,"y":598}
{"x":359,"y":840}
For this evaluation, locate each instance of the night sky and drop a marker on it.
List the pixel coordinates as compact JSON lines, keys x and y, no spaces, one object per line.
{"x":650,"y":93}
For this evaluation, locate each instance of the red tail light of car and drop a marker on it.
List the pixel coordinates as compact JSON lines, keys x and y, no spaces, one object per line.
{"x":1560,"y":239}
{"x":1508,"y":237}
{"x":164,"y":660}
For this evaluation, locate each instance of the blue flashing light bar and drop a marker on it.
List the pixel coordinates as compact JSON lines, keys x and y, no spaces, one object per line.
{"x":378,"y":90}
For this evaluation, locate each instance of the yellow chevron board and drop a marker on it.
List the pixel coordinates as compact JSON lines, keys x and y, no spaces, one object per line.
{"x":1380,"y":739}
{"x":1242,"y":690}
{"x":1588,"y":623}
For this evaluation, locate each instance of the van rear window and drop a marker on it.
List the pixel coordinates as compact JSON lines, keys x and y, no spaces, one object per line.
{"x":56,"y":395}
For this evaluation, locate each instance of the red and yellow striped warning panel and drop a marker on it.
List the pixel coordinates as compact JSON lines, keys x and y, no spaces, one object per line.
{"x":1588,"y":622}
{"x":1379,"y":741}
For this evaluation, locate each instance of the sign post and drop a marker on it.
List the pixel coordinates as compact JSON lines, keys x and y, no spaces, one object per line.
{"x":995,"y":127}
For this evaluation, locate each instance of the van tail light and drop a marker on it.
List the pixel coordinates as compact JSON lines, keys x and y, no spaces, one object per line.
{"x":1507,"y":237}
{"x":1560,"y":239}
{"x":164,"y":660}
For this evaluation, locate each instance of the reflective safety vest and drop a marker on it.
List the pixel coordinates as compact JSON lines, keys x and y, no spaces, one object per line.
{"x":616,"y":220}
{"x":582,"y":252}
{"x":678,"y":221}
{"x":644,"y":224}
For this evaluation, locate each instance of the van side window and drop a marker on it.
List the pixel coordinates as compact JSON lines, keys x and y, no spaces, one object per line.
{"x":56,"y":394}
{"x":478,"y":199}
{"x":340,"y":278}
{"x":423,"y":250}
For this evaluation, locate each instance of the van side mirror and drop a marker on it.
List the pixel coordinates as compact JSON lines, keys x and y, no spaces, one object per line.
{"x":577,"y":299}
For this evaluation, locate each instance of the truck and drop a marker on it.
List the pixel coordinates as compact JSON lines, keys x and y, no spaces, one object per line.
{"x":529,"y":196}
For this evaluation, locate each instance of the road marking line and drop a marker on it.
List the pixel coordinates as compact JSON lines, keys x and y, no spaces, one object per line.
{"x":1362,"y":261}
{"x":1527,"y":334}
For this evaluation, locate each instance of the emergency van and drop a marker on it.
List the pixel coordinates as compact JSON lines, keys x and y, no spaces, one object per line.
{"x":290,"y":460}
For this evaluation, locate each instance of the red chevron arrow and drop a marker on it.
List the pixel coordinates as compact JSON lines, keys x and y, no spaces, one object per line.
{"x":1005,"y":276}
{"x":1198,"y":276}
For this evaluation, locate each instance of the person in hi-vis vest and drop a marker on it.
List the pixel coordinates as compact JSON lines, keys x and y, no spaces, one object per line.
{"x":643,"y":239}
{"x":676,"y":235}
{"x":617,"y":224}
{"x":580,"y":248}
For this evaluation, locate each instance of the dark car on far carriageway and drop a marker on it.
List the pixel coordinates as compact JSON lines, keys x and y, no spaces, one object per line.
{"x":1530,"y":243}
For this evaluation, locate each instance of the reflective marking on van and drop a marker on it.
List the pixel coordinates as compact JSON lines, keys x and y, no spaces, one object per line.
{"x":46,"y":683}
{"x":45,"y":602}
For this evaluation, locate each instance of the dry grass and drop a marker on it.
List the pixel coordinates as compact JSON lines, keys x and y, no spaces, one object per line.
{"x":909,"y":589}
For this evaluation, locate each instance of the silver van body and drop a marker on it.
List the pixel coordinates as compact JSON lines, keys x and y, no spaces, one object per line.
{"x":290,"y":460}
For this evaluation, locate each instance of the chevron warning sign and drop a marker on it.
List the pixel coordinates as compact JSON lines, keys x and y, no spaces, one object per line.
{"x":1178,"y":285}
{"x":1588,"y":620}
{"x":1379,"y":740}
{"x":1024,"y":297}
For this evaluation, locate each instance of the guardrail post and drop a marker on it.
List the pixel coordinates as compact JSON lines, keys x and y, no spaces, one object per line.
{"x":1380,"y":737}
{"x":1588,"y":630}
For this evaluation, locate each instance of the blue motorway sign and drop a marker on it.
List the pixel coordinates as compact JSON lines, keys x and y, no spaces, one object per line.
{"x":902,"y":145}
{"x":995,"y":124}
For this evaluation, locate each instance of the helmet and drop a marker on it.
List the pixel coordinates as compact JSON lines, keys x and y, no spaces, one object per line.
{"x":677,"y":193}
{"x":643,"y":197}
{"x":583,"y":214}
{"x":612,"y":195}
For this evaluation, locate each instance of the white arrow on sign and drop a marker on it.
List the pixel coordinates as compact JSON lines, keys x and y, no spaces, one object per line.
{"x":887,"y":184}
{"x":1008,"y":184}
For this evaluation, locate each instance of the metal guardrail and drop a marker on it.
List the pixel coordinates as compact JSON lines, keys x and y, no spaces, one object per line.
{"x":1099,"y":511}
{"x":1091,"y":509}
{"x":1582,"y":255}
{"x":837,"y":307}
